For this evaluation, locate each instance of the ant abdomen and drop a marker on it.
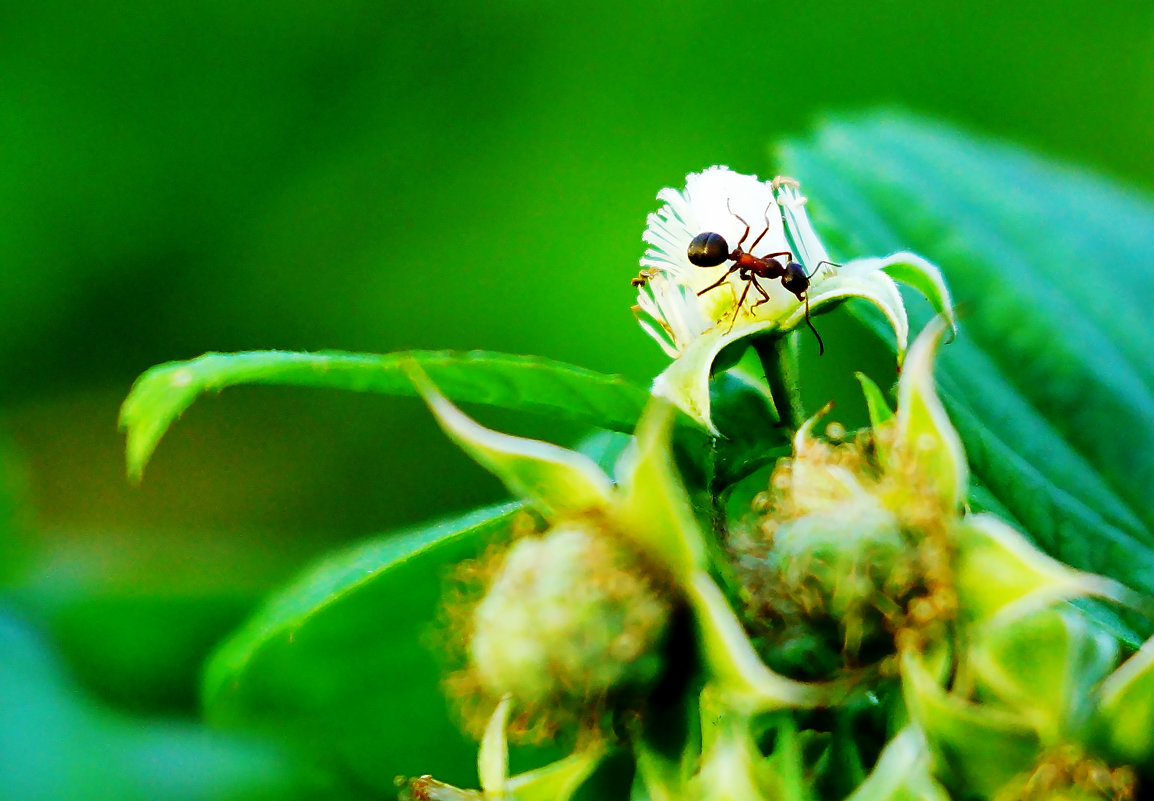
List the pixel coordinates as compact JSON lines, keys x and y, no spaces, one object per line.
{"x":708,"y":250}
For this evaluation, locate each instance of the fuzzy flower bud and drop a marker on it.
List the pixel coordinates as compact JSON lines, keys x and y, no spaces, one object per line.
{"x":1068,"y":773}
{"x":568,"y":617}
{"x":836,"y":565}
{"x":863,"y":548}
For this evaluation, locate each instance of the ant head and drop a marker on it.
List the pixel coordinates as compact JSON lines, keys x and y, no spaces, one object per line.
{"x":708,"y":250}
{"x":795,"y":279}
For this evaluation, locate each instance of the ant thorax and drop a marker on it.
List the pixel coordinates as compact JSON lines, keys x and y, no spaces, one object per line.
{"x":751,"y":234}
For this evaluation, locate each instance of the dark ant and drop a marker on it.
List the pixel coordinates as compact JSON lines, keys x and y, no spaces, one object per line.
{"x":709,"y":250}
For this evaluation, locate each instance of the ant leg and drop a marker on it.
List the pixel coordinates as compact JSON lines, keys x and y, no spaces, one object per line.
{"x":737,"y":308}
{"x":720,"y":280}
{"x":820,"y":344}
{"x":741,"y":300}
{"x":761,"y":289}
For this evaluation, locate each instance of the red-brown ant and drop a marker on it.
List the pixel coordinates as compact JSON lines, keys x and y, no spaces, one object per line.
{"x":709,"y":250}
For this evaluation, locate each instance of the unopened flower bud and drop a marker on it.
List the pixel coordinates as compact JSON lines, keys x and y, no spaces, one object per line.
{"x":571,"y":616}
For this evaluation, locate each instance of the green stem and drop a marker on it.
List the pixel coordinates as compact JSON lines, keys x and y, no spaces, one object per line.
{"x":779,"y":360}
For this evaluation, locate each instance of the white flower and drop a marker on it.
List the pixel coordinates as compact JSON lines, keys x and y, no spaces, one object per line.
{"x":782,"y":275}
{"x":716,"y":201}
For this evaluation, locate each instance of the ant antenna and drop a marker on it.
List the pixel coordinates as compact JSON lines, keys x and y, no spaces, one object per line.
{"x":820,"y":344}
{"x":764,"y":214}
{"x":818,"y":267}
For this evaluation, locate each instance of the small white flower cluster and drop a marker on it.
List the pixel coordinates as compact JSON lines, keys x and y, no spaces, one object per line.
{"x":682,"y":300}
{"x":731,"y":256}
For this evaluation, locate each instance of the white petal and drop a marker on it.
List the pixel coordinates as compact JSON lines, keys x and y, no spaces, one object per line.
{"x":809,"y":250}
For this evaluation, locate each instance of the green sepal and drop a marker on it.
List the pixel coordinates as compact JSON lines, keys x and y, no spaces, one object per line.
{"x":557,"y":781}
{"x":738,"y":675}
{"x":998,"y":572}
{"x":658,"y":777}
{"x":870,"y":278}
{"x":979,"y":747}
{"x":1044,"y":667}
{"x":915,"y":271}
{"x":654,"y":508}
{"x":1124,"y":724}
{"x":493,"y":755}
{"x":555,"y":480}
{"x":732,"y":767}
{"x":925,"y":434}
{"x":877,"y":406}
{"x":879,"y":412}
{"x":903,"y":772}
{"x":859,"y":278}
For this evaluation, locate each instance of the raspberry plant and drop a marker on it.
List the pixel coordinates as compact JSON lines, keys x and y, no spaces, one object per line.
{"x":717,"y":600}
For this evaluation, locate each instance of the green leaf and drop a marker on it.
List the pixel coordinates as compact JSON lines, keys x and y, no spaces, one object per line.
{"x":339,"y":661}
{"x":58,"y":744}
{"x":529,"y":383}
{"x":1050,"y":381}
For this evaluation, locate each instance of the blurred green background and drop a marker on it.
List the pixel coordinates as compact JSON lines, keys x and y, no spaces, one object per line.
{"x":190,"y":176}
